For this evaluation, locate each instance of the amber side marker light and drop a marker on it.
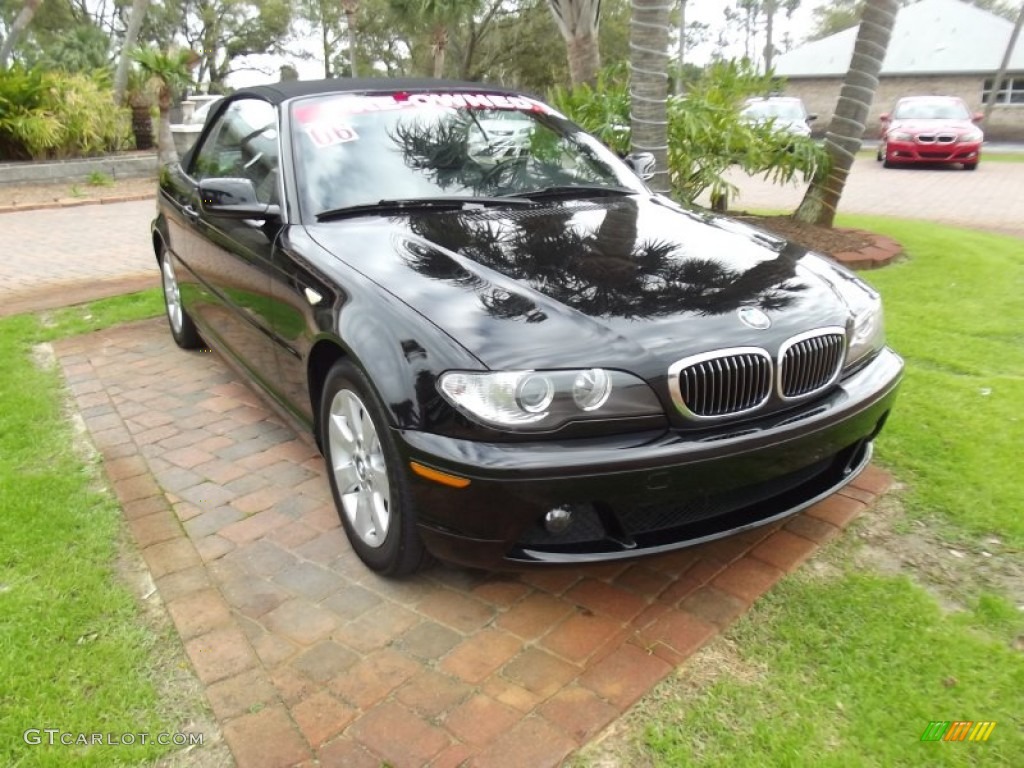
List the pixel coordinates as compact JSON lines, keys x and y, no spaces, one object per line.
{"x":439,"y":477}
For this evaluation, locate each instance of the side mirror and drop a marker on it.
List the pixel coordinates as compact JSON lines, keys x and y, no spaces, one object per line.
{"x":884,"y":117}
{"x":977,"y":117}
{"x":642,"y":163}
{"x":234,"y":199}
{"x":811,"y":118}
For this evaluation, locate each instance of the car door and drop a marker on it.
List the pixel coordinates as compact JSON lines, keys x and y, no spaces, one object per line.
{"x":232,"y":258}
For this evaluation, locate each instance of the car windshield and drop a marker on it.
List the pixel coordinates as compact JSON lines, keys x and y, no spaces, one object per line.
{"x":782,"y":110}
{"x":357,"y":150}
{"x":921,"y":109}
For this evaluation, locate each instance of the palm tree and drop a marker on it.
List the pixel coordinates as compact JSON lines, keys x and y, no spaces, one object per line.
{"x":437,"y":16}
{"x":18,"y":26}
{"x":648,"y":85}
{"x":578,"y":21}
{"x":997,"y":82}
{"x":168,"y":72}
{"x":846,"y":130}
{"x":131,"y":36}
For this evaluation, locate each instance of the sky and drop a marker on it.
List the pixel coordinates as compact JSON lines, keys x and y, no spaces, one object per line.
{"x":707,"y":11}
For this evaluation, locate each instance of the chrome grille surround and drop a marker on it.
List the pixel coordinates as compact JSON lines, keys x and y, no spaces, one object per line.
{"x":809,"y":362}
{"x":722,"y":383}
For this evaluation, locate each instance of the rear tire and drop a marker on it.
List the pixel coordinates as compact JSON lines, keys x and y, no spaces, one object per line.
{"x":183,"y":330}
{"x":369,"y":482}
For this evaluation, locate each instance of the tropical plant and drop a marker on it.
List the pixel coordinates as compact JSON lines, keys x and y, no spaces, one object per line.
{"x":439,"y":17}
{"x":602,"y":109}
{"x":706,"y":135}
{"x":53,"y":114}
{"x":578,"y":21}
{"x":168,"y":72}
{"x":846,"y":130}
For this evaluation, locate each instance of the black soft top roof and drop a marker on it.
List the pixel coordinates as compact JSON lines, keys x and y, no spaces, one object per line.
{"x":278,"y":92}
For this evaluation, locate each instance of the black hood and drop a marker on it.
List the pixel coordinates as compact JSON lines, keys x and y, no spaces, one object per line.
{"x":590,"y":282}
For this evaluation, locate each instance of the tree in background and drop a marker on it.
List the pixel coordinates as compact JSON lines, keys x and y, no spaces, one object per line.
{"x":440,"y":17}
{"x":768,"y":9}
{"x":843,"y":138}
{"x":351,"y":7}
{"x":648,"y":90}
{"x":219,"y":31}
{"x":997,"y":81}
{"x":579,"y":21}
{"x":169,"y":72}
{"x":17,"y":29}
{"x":131,"y":37}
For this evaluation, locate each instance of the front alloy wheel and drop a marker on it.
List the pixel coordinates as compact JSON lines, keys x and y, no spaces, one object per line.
{"x":368,"y":479}
{"x":360,"y":469}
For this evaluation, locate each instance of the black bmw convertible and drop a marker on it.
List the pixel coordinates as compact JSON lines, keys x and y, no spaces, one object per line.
{"x":510,"y":350}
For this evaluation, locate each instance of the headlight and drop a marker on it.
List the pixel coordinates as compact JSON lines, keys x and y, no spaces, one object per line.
{"x":546,"y":400}
{"x":866,"y":329}
{"x":901,"y":136}
{"x":971,"y":136}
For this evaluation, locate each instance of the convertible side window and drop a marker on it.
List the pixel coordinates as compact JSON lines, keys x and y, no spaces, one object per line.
{"x":243,"y":145}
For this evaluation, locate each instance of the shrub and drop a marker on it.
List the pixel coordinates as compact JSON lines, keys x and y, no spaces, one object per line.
{"x":706,"y":133}
{"x":55,"y":114}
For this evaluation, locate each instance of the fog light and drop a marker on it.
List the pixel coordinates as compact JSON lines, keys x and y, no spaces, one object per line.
{"x":558,"y":519}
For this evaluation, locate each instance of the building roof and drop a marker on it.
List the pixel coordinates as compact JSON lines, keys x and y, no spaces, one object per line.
{"x":931,"y":37}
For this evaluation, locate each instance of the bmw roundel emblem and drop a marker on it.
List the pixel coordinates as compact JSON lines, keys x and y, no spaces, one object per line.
{"x":754,"y":317}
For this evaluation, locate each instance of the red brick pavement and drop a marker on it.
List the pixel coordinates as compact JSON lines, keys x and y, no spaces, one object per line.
{"x":307,"y":656}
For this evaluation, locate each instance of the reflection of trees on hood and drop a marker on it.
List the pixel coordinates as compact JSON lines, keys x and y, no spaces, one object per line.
{"x":602,"y":271}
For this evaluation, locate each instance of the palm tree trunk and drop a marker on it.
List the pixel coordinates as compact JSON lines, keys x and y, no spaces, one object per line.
{"x":350,"y":26}
{"x":166,"y":151}
{"x":648,"y":88}
{"x":440,"y":46}
{"x":584,"y":59}
{"x":843,"y":138}
{"x":131,"y":36}
{"x":18,"y":26}
{"x":1001,"y":74}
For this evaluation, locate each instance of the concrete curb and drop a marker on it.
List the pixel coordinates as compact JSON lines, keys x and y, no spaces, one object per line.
{"x":74,"y":202}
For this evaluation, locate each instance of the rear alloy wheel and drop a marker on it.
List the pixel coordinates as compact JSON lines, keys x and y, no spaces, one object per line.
{"x":368,"y":481}
{"x":182,"y":328}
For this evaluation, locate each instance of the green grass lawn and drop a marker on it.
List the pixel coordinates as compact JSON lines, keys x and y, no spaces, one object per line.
{"x":842,"y":665}
{"x":75,"y":652}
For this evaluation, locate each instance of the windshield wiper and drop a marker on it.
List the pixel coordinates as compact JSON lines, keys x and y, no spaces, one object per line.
{"x":385,"y":207}
{"x":573,"y":190}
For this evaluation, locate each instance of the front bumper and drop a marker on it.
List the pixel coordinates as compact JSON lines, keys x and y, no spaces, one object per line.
{"x":914,"y":152}
{"x":644,"y":494}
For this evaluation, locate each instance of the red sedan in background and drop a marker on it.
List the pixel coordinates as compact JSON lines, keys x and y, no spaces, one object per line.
{"x":930,"y":129}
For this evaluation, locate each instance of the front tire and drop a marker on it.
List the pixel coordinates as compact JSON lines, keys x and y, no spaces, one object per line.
{"x":971,"y":166}
{"x":182,"y":328}
{"x":369,"y":482}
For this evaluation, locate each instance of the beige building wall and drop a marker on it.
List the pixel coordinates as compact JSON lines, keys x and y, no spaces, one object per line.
{"x":820,"y":94}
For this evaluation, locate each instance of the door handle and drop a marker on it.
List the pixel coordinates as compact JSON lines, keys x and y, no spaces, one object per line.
{"x":190,"y":213}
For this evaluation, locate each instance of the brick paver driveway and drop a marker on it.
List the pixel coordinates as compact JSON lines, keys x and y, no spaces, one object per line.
{"x":307,"y":655}
{"x":990,"y":198}
{"x":60,"y":256}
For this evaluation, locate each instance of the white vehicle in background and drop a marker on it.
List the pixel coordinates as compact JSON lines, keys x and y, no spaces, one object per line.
{"x":786,"y":113}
